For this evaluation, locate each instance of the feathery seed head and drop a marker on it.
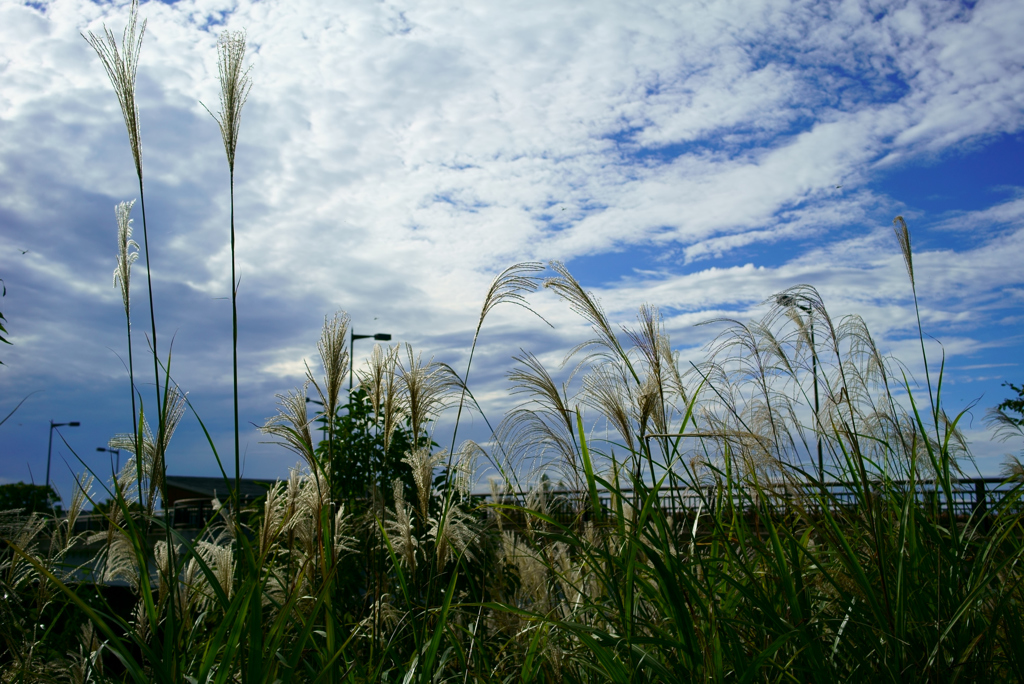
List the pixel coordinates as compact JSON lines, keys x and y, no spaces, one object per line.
{"x":235,"y":83}
{"x":453,"y":534}
{"x":427,"y":387}
{"x":291,"y":424}
{"x":509,"y":286}
{"x":274,"y":512}
{"x":220,"y":560}
{"x":152,"y":456}
{"x":399,"y":527}
{"x":465,"y":467}
{"x":587,"y":306}
{"x":343,"y":542}
{"x":380,"y":381}
{"x":125,"y":256}
{"x":422,"y":463}
{"x":903,"y":237}
{"x":121,"y":65}
{"x":334,"y":357}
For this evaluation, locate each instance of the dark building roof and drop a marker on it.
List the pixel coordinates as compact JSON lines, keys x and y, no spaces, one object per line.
{"x":181,"y":487}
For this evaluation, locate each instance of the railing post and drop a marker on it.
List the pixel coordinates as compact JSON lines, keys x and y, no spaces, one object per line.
{"x":980,"y":502}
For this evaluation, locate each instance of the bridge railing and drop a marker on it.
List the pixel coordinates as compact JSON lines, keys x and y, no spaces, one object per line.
{"x":966,"y":497}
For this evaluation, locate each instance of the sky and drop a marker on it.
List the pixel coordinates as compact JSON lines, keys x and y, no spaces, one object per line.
{"x":395,"y":156}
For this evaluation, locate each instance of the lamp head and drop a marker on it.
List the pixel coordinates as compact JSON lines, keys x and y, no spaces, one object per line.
{"x":383,"y":337}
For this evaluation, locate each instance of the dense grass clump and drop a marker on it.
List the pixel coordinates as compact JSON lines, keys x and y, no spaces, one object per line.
{"x":786,"y":510}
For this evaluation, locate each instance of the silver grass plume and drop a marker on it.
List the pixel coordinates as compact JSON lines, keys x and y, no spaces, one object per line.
{"x":125,"y":256}
{"x":509,"y":287}
{"x":152,"y":455}
{"x":532,"y":571}
{"x":343,"y":542}
{"x":1012,"y":468}
{"x":498,"y":490}
{"x":291,"y":424}
{"x":23,"y":531}
{"x":903,"y":238}
{"x":87,"y":660}
{"x":121,"y":65}
{"x":1005,"y":427}
{"x":383,"y":612}
{"x":275,"y":506}
{"x":422,"y":463}
{"x":235,"y":84}
{"x":220,"y":559}
{"x":606,"y":390}
{"x":453,"y":534}
{"x":64,"y":536}
{"x":116,"y":556}
{"x":162,"y":561}
{"x":586,"y":305}
{"x":427,"y":389}
{"x":140,"y":622}
{"x":662,"y":383}
{"x":334,"y":357}
{"x":464,"y":468}
{"x":544,"y":422}
{"x":399,"y":527}
{"x":381,"y":384}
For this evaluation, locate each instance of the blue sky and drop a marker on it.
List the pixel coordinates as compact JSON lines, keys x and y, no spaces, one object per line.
{"x":395,"y":156}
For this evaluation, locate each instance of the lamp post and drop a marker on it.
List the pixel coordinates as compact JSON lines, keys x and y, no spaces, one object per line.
{"x":115,"y":452}
{"x":790,"y":300}
{"x":380,"y":337}
{"x":49,"y":449}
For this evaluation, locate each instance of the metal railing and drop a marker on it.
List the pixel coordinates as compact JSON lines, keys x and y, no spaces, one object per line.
{"x":966,"y":497}
{"x":980,"y":496}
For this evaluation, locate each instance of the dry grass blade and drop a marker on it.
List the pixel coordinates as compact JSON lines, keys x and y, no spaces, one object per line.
{"x":121,"y":65}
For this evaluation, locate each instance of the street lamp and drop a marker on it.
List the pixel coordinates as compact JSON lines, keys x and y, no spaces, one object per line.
{"x":49,"y":449}
{"x":116,"y":452}
{"x":380,"y":337}
{"x":790,"y":300}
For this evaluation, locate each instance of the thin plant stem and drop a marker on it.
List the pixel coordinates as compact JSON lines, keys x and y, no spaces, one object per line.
{"x":235,"y":84}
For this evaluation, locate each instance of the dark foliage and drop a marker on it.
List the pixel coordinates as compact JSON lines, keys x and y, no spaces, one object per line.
{"x":28,"y":498}
{"x":356,"y":455}
{"x":1014,"y":405}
